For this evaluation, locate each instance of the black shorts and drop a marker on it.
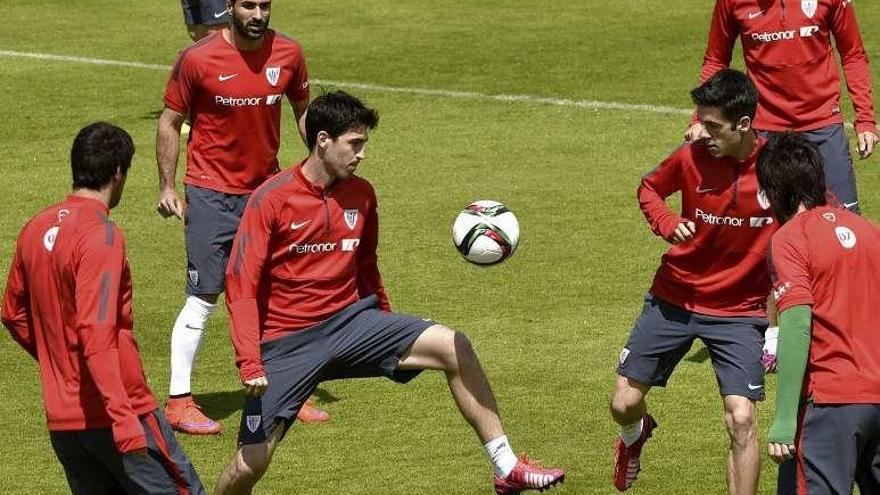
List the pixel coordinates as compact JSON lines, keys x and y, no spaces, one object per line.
{"x":663,"y":334}
{"x":205,"y":12}
{"x":840,"y":178}
{"x":837,"y":445}
{"x":359,"y":341}
{"x":94,"y":467}
{"x":212,"y":219}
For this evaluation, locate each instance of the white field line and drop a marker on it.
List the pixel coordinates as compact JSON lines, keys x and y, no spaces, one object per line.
{"x":538,"y":100}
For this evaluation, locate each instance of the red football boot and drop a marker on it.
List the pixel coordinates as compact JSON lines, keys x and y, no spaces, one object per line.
{"x":528,"y":475}
{"x":626,"y":459}
{"x":185,"y":416}
{"x":308,"y":413}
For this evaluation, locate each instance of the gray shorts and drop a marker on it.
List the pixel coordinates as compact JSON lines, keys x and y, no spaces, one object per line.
{"x":663,"y":334}
{"x":837,"y":445}
{"x":359,"y":341}
{"x":204,"y":12}
{"x":840,"y":178}
{"x":94,"y":467}
{"x":212,"y":219}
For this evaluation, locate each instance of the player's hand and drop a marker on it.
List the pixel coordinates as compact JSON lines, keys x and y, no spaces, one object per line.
{"x":684,"y":232}
{"x":780,"y":452}
{"x":695,"y":132}
{"x":170,"y":204}
{"x":255,"y":387}
{"x":867,"y":141}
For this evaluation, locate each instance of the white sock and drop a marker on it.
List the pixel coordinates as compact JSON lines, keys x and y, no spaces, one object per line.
{"x":630,"y":433}
{"x":502,"y":456}
{"x":185,"y":340}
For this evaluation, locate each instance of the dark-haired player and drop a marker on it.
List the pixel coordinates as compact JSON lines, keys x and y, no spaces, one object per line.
{"x":68,"y":303}
{"x":787,"y":49}
{"x":825,"y":266}
{"x":231,"y":85}
{"x":308,"y":305}
{"x":712,"y":284}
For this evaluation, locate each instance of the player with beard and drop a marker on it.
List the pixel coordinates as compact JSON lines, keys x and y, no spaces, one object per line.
{"x":231,"y":85}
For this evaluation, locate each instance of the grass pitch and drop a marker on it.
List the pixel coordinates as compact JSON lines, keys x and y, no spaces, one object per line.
{"x":548,"y":324}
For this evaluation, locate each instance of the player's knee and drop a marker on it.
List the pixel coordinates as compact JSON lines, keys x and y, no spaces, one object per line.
{"x":741,"y":422}
{"x":623,"y":401}
{"x":250,"y":465}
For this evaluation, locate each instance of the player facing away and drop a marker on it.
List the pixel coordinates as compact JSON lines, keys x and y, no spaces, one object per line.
{"x":307,"y":305}
{"x":204,"y":16}
{"x":68,"y":304}
{"x":787,"y":49}
{"x":825,"y":268}
{"x":712,"y":284}
{"x":231,"y":85}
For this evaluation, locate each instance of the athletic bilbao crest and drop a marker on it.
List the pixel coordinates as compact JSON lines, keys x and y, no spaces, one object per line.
{"x":351,"y":218}
{"x":809,"y":7}
{"x":193,"y":277}
{"x":253,"y":422}
{"x":272,"y":75}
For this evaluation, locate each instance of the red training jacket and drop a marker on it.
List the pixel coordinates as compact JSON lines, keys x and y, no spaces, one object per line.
{"x":68,"y":303}
{"x":301,"y":254}
{"x":787,"y":49}
{"x":722,"y":271}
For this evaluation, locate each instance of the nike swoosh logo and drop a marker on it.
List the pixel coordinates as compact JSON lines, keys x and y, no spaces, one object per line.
{"x":296,"y":226}
{"x":193,"y":328}
{"x":850,"y":205}
{"x":220,"y":14}
{"x":701,"y":190}
{"x":755,"y":387}
{"x":759,"y":13}
{"x":226,"y":77}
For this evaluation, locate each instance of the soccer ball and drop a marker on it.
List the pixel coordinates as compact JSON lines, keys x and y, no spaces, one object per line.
{"x":485,"y":232}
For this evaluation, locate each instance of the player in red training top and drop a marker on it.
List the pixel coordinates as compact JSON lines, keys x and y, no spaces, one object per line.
{"x":308,"y":305}
{"x":68,"y":303}
{"x":231,"y":85}
{"x":787,"y":49}
{"x":712,"y":284}
{"x":825,"y":264}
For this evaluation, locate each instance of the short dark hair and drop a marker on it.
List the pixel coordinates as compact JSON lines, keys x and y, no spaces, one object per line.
{"x":98,"y":151}
{"x":731,"y":91}
{"x":790,"y":171}
{"x":335,"y":113}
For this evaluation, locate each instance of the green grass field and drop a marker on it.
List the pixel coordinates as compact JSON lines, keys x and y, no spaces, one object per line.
{"x":548,"y":324}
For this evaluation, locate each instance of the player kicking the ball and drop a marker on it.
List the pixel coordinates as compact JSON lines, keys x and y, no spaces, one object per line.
{"x":712,"y":284}
{"x":308,"y":305}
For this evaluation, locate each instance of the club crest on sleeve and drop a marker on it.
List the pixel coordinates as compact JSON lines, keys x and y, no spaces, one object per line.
{"x":831,"y":217}
{"x":272,"y":75}
{"x":193,"y":277}
{"x":845,"y":236}
{"x":351,"y":218}
{"x":49,"y":238}
{"x":253,"y":422}
{"x":809,"y":7}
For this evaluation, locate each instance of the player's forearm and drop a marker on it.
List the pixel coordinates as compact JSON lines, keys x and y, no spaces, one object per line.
{"x":244,"y":330}
{"x":103,"y":366}
{"x":795,"y":326}
{"x":15,"y":319}
{"x":168,"y":150}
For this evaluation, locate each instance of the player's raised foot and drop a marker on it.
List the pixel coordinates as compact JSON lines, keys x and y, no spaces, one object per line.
{"x":627,"y":459}
{"x":308,"y":413}
{"x":185,"y":416}
{"x":528,"y":475}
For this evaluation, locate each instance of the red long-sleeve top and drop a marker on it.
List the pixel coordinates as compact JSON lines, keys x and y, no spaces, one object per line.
{"x":301,"y":254}
{"x":787,"y":49}
{"x":68,"y":303}
{"x":722,"y":271}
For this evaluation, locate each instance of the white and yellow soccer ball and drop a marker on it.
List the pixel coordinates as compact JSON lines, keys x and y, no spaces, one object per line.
{"x":485,"y":232}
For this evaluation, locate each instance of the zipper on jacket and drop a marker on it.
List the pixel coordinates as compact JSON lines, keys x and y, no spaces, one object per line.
{"x":326,"y":213}
{"x":782,"y":3}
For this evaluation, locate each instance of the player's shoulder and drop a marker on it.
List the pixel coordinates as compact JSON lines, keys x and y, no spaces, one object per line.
{"x":280,"y":40}
{"x":361,"y":185}
{"x":273,"y":188}
{"x":199,"y":51}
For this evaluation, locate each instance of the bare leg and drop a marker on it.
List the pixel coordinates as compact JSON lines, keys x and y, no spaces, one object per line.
{"x":628,"y":401}
{"x":248,"y":465}
{"x":743,"y":462}
{"x":439,"y":348}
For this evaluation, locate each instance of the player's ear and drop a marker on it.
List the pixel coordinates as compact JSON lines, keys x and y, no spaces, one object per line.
{"x":744,"y":124}
{"x":323,"y":140}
